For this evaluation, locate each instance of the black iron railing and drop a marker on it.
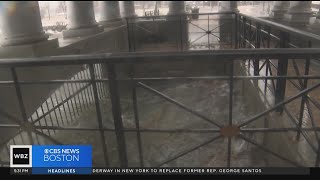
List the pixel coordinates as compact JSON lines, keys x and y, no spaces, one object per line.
{"x":110,"y":63}
{"x":181,"y":32}
{"x":87,"y":90}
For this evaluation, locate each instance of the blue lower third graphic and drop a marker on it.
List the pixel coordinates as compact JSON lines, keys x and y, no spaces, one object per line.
{"x":64,"y":159}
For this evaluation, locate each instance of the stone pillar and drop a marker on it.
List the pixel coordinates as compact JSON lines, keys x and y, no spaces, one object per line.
{"x":299,"y":13}
{"x":228,"y":6}
{"x":127,"y":8}
{"x":227,"y":23}
{"x":81,"y":20}
{"x":279,"y":9}
{"x":176,"y":7}
{"x":21,"y":23}
{"x":315,"y":27}
{"x":177,"y":24}
{"x":110,"y":14}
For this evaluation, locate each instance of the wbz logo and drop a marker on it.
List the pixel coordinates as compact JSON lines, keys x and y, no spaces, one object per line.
{"x":21,"y":156}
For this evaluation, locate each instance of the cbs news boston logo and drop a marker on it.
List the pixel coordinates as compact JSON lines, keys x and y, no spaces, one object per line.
{"x":51,"y":159}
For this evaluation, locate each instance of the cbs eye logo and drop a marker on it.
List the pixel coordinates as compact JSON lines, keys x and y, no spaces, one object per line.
{"x":21,"y":156}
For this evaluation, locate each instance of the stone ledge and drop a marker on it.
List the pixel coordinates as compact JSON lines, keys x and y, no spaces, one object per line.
{"x":113,"y":23}
{"x":70,"y":33}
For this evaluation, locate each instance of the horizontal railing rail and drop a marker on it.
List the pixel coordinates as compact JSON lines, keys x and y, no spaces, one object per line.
{"x":108,"y":63}
{"x":281,"y":27}
{"x":142,"y":57}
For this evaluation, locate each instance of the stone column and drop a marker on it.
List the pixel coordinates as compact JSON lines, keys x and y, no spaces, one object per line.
{"x":299,"y":13}
{"x":177,"y":24}
{"x":81,"y":20}
{"x":176,"y":7}
{"x":110,"y":14}
{"x":21,"y":23}
{"x":226,"y":23}
{"x":127,"y":8}
{"x":315,"y":27}
{"x":279,"y":9}
{"x":228,"y":6}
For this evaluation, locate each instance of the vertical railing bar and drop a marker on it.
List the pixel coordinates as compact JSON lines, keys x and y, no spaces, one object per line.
{"x":236,"y":31}
{"x":136,"y":119}
{"x":249,"y":37}
{"x":100,"y":87}
{"x":116,"y":111}
{"x":282,"y":71}
{"x":55,"y":113}
{"x":99,"y":116}
{"x":61,"y":116}
{"x":37,"y":114}
{"x":96,"y":77}
{"x":134,"y":35}
{"x":317,"y":163}
{"x":73,"y":102}
{"x":77,"y":97}
{"x":90,"y":91}
{"x":80,"y":94}
{"x":53,"y":105}
{"x":35,"y":134}
{"x":99,"y":83}
{"x":231,"y":93}
{"x":229,"y":152}
{"x":208,"y":33}
{"x":104,"y":83}
{"x":303,"y":98}
{"x":87,"y":95}
{"x":50,"y":117}
{"x":312,"y":119}
{"x":45,"y":119}
{"x":128,"y":33}
{"x":257,"y":45}
{"x":70,"y":110}
{"x":181,"y":34}
{"x":85,"y":91}
{"x":272,"y":81}
{"x":20,"y":100}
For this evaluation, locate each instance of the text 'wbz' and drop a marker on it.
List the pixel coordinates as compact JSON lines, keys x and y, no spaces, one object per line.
{"x":177,"y":170}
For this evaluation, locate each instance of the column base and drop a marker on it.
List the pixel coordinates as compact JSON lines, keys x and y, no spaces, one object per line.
{"x":24,"y":39}
{"x":277,"y":15}
{"x":71,"y":33}
{"x":113,"y":23}
{"x":43,"y":48}
{"x":298,"y":19}
{"x":226,"y":29}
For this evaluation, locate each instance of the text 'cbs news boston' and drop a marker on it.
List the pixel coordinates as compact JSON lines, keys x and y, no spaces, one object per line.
{"x":77,"y":159}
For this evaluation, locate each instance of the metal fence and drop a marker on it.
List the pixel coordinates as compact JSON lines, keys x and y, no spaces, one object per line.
{"x":182,"y":32}
{"x":99,"y":82}
{"x":225,"y":129}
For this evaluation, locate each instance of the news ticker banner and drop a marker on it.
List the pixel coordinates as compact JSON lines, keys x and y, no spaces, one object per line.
{"x":77,"y":159}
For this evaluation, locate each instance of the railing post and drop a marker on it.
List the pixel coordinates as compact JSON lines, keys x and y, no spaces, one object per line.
{"x":99,"y":116}
{"x":236,"y":30}
{"x":20,"y":101}
{"x":257,"y":46}
{"x":304,"y":97}
{"x":281,"y":71}
{"x":117,"y":117}
{"x":244,"y":22}
{"x":129,"y":35}
{"x":181,"y":33}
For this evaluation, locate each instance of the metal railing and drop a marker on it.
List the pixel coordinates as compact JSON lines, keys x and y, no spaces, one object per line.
{"x":227,"y":128}
{"x":88,"y":88}
{"x":181,"y":32}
